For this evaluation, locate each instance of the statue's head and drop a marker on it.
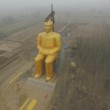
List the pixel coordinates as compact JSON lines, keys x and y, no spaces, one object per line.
{"x":48,"y":26}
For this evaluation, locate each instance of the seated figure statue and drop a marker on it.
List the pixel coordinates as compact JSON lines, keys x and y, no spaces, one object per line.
{"x":48,"y":44}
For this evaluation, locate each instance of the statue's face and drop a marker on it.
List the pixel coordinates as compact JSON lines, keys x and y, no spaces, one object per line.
{"x":48,"y":28}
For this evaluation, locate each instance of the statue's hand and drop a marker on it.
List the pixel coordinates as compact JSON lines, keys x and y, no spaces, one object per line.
{"x":51,"y":52}
{"x":46,"y":52}
{"x":43,"y":51}
{"x":40,"y":50}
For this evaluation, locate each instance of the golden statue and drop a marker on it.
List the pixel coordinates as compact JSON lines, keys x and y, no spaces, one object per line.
{"x":48,"y":44}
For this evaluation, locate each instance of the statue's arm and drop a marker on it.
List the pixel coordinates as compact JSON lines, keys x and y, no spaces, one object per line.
{"x":39,"y":43}
{"x":58,"y":45}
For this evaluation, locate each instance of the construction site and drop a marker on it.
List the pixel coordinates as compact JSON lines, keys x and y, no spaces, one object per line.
{"x":81,"y":72}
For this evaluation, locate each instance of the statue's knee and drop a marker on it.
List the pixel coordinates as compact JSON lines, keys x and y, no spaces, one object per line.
{"x":48,"y":61}
{"x":38,"y":57}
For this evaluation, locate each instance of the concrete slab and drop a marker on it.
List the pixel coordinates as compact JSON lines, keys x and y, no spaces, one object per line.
{"x":41,"y":83}
{"x":40,"y":90}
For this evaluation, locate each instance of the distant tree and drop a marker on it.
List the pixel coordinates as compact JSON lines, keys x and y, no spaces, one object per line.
{"x":2,"y":35}
{"x":8,"y":20}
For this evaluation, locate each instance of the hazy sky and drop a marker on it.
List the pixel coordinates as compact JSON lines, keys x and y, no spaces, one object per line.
{"x":7,"y":4}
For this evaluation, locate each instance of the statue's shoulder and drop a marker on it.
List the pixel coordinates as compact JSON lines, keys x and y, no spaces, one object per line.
{"x":41,"y":33}
{"x":56,"y":34}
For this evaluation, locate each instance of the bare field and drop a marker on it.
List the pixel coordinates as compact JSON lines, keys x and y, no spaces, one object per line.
{"x":86,"y":87}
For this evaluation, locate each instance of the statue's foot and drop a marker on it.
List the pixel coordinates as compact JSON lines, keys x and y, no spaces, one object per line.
{"x":37,"y":75}
{"x":48,"y":78}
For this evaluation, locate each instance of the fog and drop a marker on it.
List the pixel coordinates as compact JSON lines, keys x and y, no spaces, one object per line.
{"x":64,"y":8}
{"x":18,"y":4}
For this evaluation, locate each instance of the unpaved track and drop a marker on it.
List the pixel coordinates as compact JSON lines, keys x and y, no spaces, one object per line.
{"x":25,"y":34}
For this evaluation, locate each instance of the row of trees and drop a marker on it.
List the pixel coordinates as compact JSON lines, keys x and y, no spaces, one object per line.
{"x":2,"y":35}
{"x":8,"y":20}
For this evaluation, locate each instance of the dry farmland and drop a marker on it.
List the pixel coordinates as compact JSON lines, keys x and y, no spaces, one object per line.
{"x":83,"y":87}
